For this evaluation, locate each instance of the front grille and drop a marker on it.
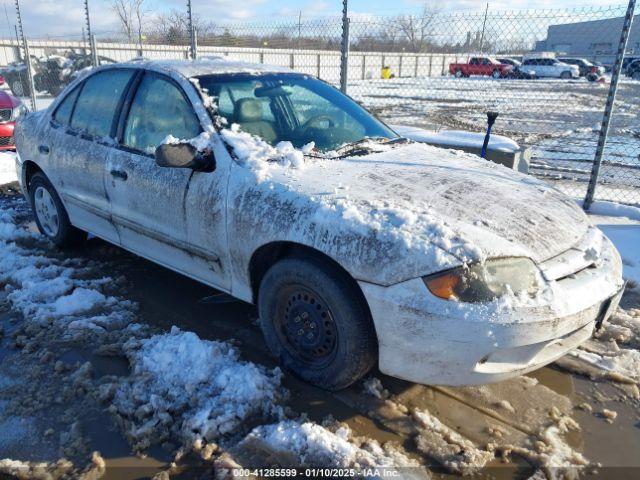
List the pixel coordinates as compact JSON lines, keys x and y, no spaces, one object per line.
{"x":5,"y":114}
{"x":6,"y":141}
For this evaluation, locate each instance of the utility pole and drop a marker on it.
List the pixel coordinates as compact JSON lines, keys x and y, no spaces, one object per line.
{"x":484,"y":26}
{"x":344,"y":51}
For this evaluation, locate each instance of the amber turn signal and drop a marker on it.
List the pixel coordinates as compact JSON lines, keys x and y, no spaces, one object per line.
{"x":443,"y":286}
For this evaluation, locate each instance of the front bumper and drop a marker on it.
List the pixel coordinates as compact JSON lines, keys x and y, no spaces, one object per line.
{"x":428,"y":340}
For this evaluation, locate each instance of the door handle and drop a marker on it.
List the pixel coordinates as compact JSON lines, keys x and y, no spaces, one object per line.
{"x":44,"y":149}
{"x":119,"y":174}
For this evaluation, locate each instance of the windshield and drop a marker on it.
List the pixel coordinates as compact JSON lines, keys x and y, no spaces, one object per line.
{"x":292,"y":107}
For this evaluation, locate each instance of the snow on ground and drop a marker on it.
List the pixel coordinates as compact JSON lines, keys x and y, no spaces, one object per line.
{"x":309,"y":444}
{"x":7,"y":168}
{"x":180,"y":388}
{"x":188,"y":388}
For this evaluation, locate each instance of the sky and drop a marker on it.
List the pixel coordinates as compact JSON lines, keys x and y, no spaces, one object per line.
{"x":55,"y":18}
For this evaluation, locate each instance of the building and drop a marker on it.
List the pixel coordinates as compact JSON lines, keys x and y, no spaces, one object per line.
{"x":594,"y":40}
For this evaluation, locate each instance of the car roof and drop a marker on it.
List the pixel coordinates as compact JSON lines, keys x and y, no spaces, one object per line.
{"x":203,"y":66}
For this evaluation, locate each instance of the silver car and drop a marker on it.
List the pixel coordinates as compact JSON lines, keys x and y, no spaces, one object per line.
{"x":357,"y":246}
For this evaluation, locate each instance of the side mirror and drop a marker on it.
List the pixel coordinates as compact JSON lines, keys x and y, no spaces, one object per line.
{"x":185,"y":155}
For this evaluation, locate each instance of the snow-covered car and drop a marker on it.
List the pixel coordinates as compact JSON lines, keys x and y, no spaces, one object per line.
{"x":357,"y":245}
{"x":551,"y":68}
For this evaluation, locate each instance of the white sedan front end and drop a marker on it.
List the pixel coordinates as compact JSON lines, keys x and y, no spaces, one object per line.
{"x":426,"y":339}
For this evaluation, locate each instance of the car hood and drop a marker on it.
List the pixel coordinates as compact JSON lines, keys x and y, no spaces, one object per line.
{"x":416,"y":209}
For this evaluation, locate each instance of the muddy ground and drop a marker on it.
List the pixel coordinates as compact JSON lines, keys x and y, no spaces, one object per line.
{"x":49,"y":409}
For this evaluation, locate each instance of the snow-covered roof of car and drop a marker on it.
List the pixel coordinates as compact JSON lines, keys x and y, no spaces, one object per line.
{"x":207,"y":66}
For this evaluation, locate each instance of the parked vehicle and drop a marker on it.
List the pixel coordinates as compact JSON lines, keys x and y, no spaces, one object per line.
{"x":50,"y":73}
{"x":633,"y":70}
{"x":16,"y":76}
{"x":517,"y":70}
{"x":585,"y":67}
{"x":480,"y":66}
{"x":11,"y":108}
{"x":551,"y":67}
{"x":402,"y":271}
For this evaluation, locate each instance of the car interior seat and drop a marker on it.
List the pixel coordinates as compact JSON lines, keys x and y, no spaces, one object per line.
{"x":248,"y":114}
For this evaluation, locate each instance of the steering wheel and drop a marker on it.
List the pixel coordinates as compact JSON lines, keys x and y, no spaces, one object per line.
{"x":318,"y":118}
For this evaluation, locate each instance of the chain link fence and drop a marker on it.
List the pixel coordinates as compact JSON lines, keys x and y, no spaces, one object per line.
{"x":430,"y":69}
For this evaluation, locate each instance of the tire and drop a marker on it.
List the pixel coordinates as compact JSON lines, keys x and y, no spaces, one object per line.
{"x":496,"y":74}
{"x":458,"y":73}
{"x":565,"y":75}
{"x":51,"y":216}
{"x":635,"y":75}
{"x":17,"y":88}
{"x":299,"y":295}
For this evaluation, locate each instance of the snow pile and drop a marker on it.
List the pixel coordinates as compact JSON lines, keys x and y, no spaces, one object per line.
{"x":46,"y":289}
{"x":308,"y":444}
{"x":254,"y":152}
{"x":191,"y":388}
{"x":61,"y":469}
{"x":415,"y":225}
{"x":455,"y":452}
{"x":7,"y":168}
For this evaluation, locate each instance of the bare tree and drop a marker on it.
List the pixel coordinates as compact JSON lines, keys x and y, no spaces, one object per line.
{"x":129,"y":13}
{"x":416,"y":29}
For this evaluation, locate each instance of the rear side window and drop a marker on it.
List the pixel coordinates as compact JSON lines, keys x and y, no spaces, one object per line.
{"x":62,"y":114}
{"x":159,"y":109}
{"x":98,"y":100}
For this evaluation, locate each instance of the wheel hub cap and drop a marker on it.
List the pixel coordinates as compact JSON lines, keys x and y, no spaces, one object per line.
{"x":308,"y":326}
{"x":46,"y":212}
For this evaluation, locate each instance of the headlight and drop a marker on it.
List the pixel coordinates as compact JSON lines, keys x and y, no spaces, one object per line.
{"x":483,"y":282}
{"x":18,"y":111}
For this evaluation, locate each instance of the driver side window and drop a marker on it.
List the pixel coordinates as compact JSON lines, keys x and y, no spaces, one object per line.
{"x":159,"y":109}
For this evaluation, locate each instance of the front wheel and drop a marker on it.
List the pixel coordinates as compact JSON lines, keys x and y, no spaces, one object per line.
{"x":565,"y":75}
{"x":315,"y":321}
{"x":496,"y":74}
{"x":51,"y":217}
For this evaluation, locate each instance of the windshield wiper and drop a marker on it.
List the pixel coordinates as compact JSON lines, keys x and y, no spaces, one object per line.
{"x":360,"y":145}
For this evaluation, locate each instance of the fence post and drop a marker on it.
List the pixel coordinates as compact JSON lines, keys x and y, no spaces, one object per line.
{"x":318,"y":64}
{"x":87,"y":20}
{"x":193,"y":51}
{"x":344,"y":50}
{"x":32,"y":88}
{"x":94,"y":50}
{"x":608,"y":108}
{"x":400,"y":67}
{"x":364,"y":65}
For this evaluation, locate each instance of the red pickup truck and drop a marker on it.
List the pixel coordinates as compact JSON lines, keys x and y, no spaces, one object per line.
{"x":480,"y":66}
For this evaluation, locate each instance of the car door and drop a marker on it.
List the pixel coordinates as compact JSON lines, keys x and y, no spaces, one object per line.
{"x":151,"y":206}
{"x":82,"y":127}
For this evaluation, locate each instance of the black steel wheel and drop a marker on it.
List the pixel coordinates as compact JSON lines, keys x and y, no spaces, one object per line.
{"x":315,"y":320}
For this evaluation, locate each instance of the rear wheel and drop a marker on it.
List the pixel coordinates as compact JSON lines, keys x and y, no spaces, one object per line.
{"x":17,"y":88}
{"x":496,"y":74}
{"x":314,"y":321}
{"x":51,"y":217}
{"x":458,"y":73}
{"x":636,"y":75}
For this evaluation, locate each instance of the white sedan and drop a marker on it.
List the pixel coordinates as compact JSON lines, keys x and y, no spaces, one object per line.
{"x":358,"y":246}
